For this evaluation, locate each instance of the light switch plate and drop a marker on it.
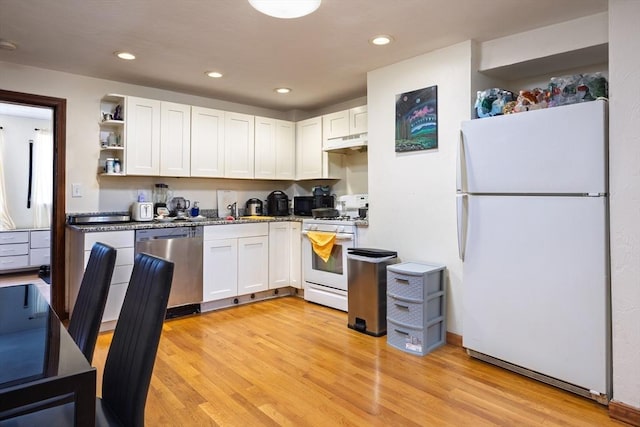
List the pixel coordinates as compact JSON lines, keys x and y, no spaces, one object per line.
{"x":76,"y":190}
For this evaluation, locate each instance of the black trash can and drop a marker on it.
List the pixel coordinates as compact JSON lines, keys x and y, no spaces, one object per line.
{"x":367,"y":289}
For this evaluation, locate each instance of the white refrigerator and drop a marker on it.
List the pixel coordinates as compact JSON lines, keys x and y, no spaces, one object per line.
{"x":533,"y":236}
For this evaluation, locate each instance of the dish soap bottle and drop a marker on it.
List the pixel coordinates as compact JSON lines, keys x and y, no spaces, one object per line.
{"x":195,"y":210}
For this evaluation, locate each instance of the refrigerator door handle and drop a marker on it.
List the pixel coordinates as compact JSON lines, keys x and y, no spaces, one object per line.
{"x":461,"y":172}
{"x":462,"y":205}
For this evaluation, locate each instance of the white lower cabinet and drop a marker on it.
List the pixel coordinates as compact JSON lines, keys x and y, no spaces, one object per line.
{"x":235,"y":260}
{"x":220,"y":269}
{"x":80,"y":249}
{"x":279,"y":254}
{"x":39,"y":247}
{"x":284,"y":255}
{"x":295,"y":257}
{"x":14,"y":249}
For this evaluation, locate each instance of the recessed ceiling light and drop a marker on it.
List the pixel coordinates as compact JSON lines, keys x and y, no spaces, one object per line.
{"x":214,"y":74}
{"x":285,"y":9}
{"x":282,"y":90}
{"x":125,"y":55}
{"x":381,"y":40}
{"x":7,"y":45}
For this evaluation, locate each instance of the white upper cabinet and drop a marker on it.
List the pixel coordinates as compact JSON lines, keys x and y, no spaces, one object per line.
{"x":207,"y":142}
{"x":309,"y":148}
{"x":285,"y":150}
{"x":143,"y":136}
{"x":265,"y":148}
{"x":335,"y":125}
{"x":344,"y":123}
{"x":175,"y":139}
{"x":274,"y":149}
{"x":239,"y":145}
{"x":358,"y":120}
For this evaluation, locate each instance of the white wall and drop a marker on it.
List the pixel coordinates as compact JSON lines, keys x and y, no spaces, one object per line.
{"x":412,"y":195}
{"x":17,"y":133}
{"x":624,"y":152}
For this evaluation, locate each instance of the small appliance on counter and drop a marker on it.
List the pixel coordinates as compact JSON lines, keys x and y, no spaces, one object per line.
{"x":278,"y":203}
{"x":142,"y":211}
{"x":161,"y":196}
{"x":322,"y":197}
{"x":303,"y":205}
{"x":253,"y":207}
{"x":98,"y":218}
{"x":179,"y":207}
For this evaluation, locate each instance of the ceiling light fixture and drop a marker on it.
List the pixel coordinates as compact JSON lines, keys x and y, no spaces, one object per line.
{"x":381,"y":40}
{"x":7,"y":45}
{"x":214,"y":74}
{"x":125,"y":55}
{"x":282,"y":90}
{"x":285,"y":9}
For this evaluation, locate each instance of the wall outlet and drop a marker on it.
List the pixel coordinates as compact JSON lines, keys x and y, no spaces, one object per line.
{"x":76,"y":190}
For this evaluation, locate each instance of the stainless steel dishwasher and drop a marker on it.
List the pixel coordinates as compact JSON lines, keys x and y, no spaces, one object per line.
{"x":183,"y":246}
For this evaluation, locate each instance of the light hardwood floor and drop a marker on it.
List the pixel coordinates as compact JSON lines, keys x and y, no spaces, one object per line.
{"x":287,"y":362}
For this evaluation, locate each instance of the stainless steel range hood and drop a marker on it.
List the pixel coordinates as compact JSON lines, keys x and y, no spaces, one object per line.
{"x":346,"y":144}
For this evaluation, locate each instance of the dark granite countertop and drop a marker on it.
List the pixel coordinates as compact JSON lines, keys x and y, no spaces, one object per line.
{"x":141,"y":225}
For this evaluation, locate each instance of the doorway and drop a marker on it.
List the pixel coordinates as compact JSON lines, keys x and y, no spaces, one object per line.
{"x":59,"y":108}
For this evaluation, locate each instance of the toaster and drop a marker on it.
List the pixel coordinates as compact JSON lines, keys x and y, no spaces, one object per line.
{"x":142,"y":211}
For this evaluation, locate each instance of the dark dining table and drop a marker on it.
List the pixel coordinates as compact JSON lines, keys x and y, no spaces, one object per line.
{"x":40,"y":364}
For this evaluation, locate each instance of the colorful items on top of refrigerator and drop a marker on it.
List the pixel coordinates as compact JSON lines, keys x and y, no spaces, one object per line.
{"x":560,"y":91}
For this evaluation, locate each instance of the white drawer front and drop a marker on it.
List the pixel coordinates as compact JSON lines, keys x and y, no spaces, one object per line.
{"x":11,"y":262}
{"x":14,"y":237}
{"x":41,"y":239}
{"x":40,"y":256}
{"x":117,"y":239}
{"x":114,"y":301}
{"x":15,"y":249}
{"x":124,"y":256}
{"x":233,"y":231}
{"x":122,"y":274}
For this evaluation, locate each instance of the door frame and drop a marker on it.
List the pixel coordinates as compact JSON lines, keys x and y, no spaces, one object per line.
{"x":58,"y":218}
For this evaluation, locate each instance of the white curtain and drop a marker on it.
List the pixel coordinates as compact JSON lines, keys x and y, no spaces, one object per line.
{"x":42,"y":197}
{"x":6,"y":223}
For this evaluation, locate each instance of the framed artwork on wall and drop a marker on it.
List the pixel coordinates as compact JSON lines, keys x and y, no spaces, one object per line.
{"x":417,"y":120}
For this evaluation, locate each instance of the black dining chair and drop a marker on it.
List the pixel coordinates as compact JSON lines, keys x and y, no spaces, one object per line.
{"x":129,"y":365}
{"x":88,"y":309}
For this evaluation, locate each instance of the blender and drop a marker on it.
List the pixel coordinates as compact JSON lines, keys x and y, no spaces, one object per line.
{"x":161,"y":196}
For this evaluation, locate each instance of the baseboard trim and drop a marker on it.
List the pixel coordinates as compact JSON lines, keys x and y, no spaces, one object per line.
{"x":623,"y":412}
{"x":454,"y":339}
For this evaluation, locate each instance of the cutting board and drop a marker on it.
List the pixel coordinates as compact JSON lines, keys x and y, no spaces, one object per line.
{"x":225,"y":198}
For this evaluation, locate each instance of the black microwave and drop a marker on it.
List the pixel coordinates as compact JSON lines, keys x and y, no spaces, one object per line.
{"x":303,"y":205}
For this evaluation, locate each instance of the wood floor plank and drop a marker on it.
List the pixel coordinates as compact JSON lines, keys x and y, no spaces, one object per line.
{"x":287,"y":362}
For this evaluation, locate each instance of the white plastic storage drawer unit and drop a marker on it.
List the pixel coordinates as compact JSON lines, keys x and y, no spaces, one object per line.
{"x":416,"y":307}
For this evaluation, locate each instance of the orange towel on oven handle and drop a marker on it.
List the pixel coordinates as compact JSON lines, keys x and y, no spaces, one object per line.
{"x":322,"y":243}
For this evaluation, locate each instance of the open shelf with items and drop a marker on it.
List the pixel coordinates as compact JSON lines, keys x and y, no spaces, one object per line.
{"x":112,"y":136}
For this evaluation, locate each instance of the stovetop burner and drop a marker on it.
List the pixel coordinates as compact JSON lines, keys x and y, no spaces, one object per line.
{"x":335,"y":218}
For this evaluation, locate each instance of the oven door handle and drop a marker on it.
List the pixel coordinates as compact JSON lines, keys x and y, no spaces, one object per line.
{"x":339,"y":236}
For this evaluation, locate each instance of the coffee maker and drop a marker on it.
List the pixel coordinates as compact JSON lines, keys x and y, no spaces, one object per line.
{"x":322,"y":197}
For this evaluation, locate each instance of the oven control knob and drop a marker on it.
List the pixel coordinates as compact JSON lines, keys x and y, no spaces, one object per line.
{"x":314,"y":227}
{"x":341,"y":229}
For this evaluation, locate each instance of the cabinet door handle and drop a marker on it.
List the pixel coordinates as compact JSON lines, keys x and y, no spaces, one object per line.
{"x":403,"y":281}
